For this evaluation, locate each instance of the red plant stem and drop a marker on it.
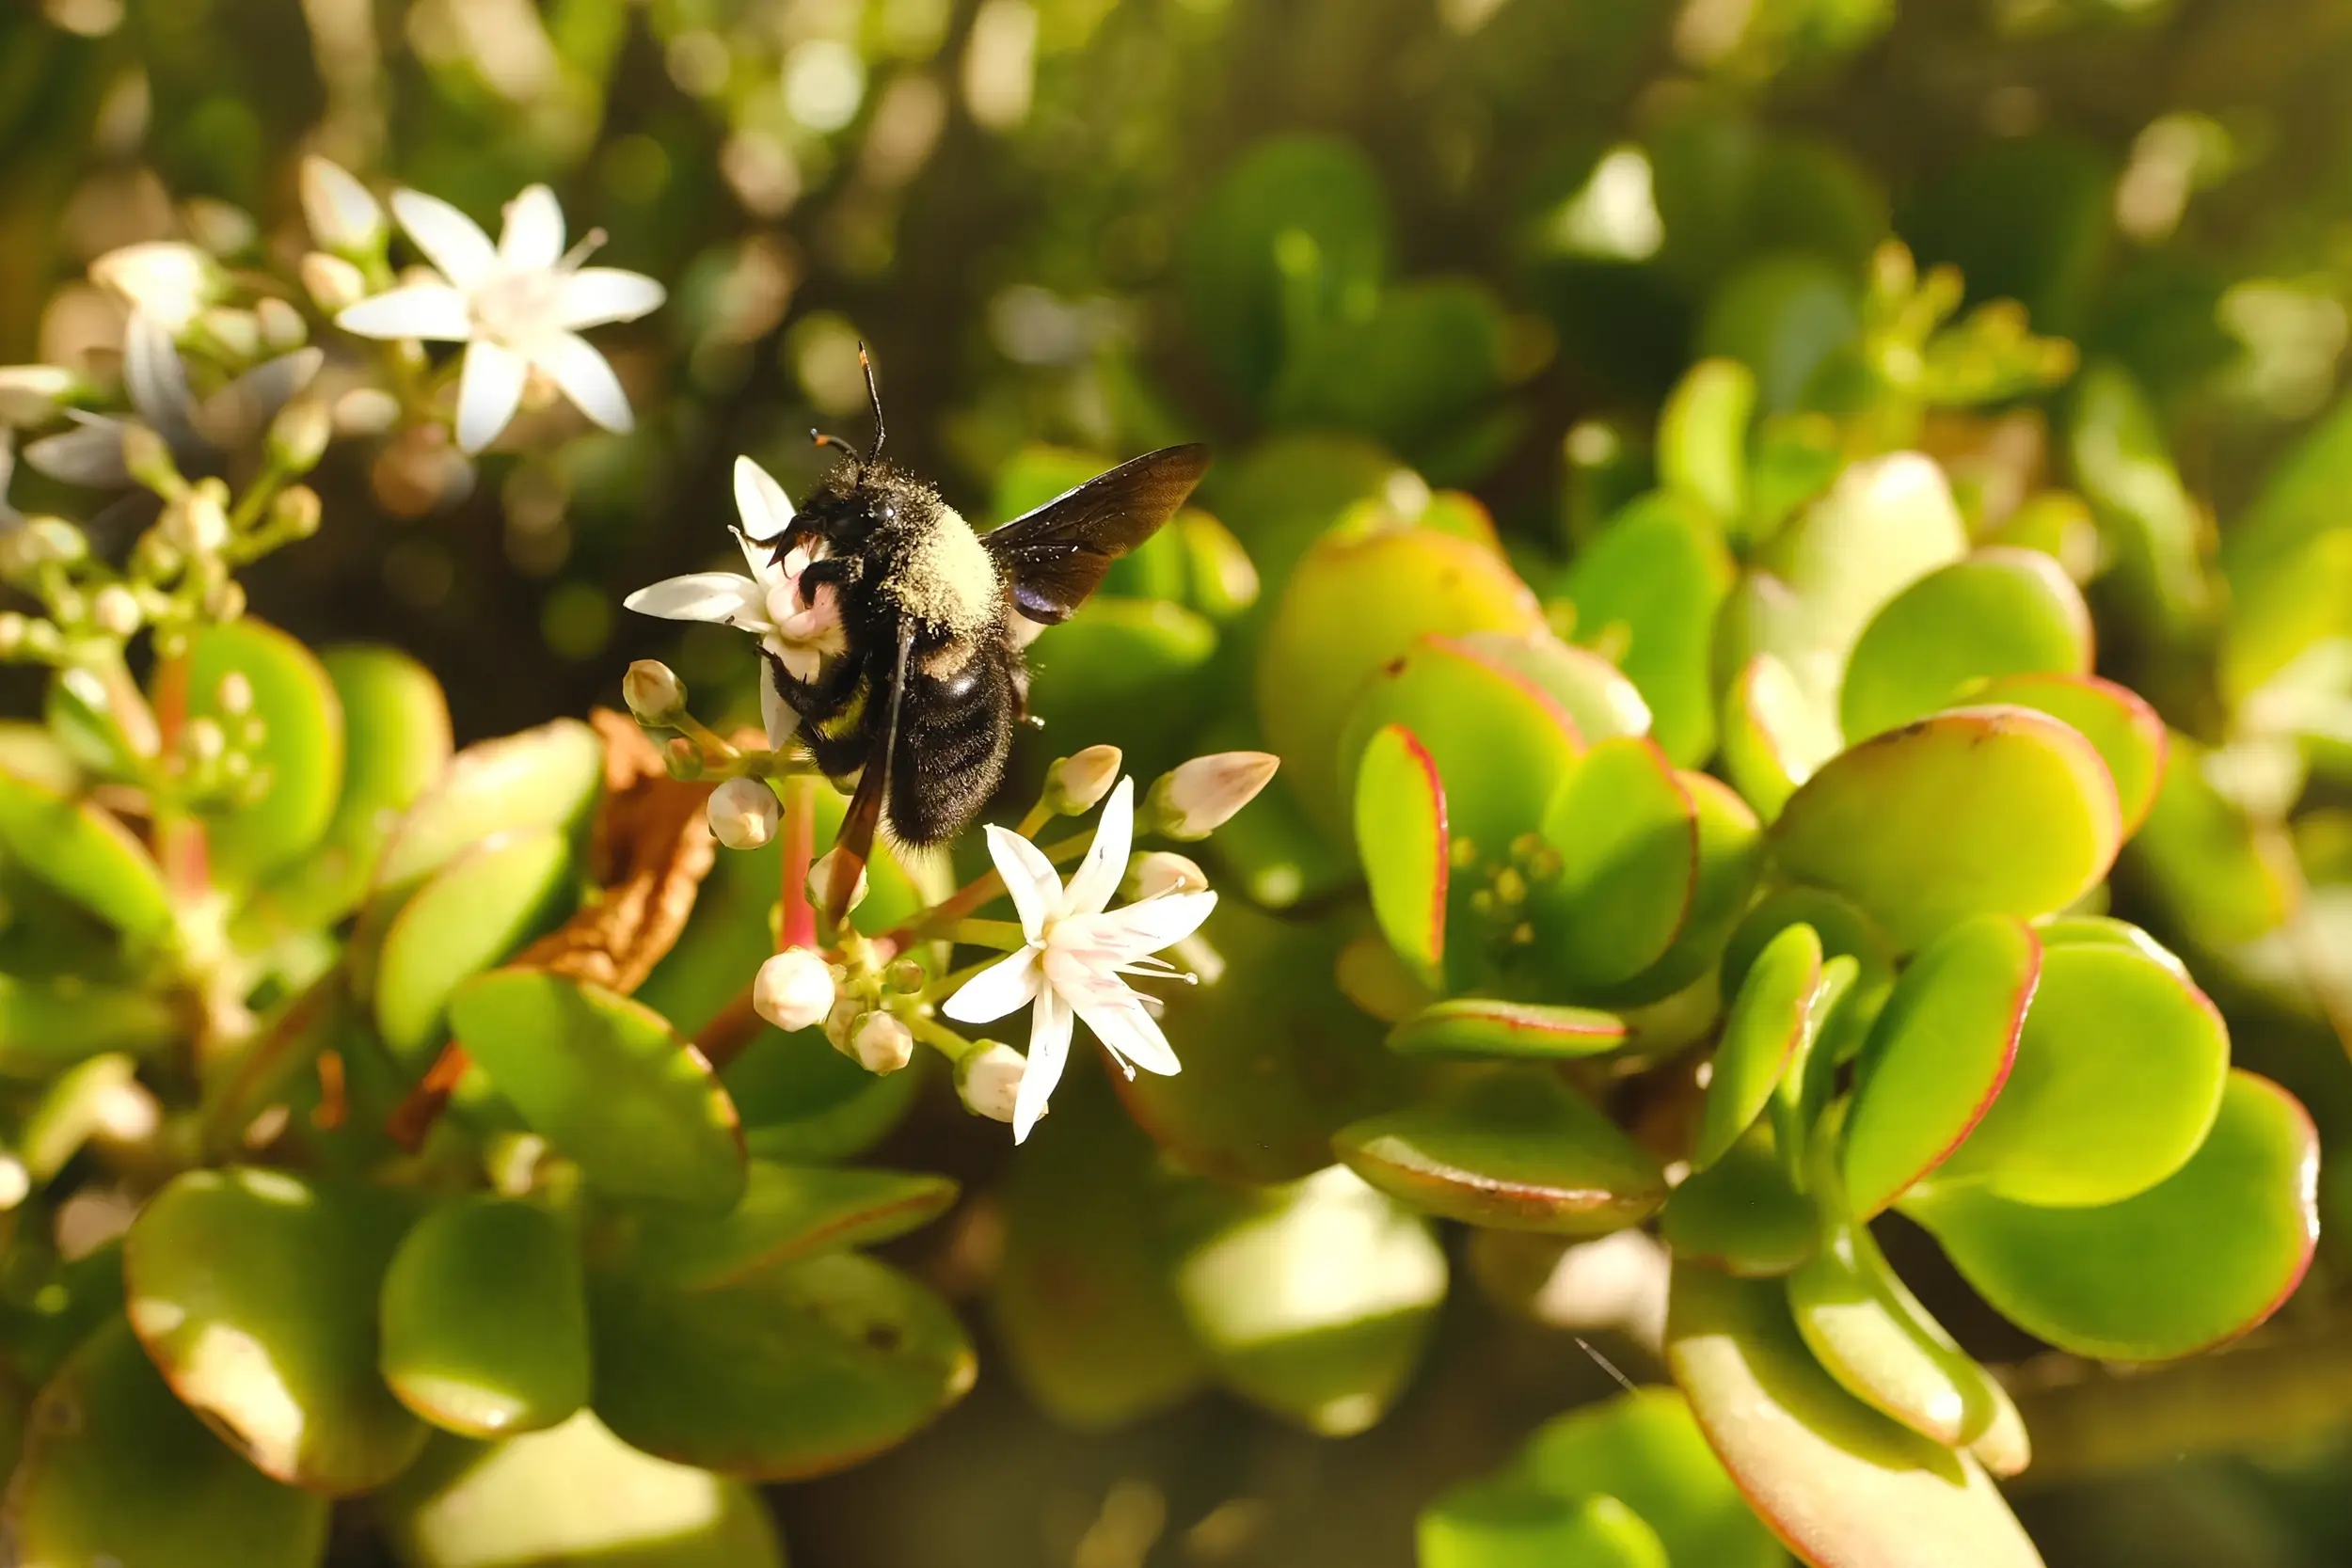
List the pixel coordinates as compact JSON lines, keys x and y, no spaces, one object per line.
{"x":798,"y":925}
{"x":413,"y":1117}
{"x":723,"y":1038}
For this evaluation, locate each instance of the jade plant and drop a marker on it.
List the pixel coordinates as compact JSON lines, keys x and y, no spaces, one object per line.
{"x":1823,"y":903}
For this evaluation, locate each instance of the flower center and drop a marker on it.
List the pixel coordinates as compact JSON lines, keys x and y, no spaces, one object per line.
{"x":517,"y":307}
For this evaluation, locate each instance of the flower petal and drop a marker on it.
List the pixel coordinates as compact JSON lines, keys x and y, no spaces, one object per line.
{"x":997,"y":990}
{"x":720,"y":598}
{"x":488,"y":391}
{"x":594,"y":295}
{"x":241,"y":410}
{"x":451,"y":241}
{"x":587,"y":379}
{"x":1106,"y":857}
{"x":776,"y":715}
{"x":532,"y":239}
{"x":1049,"y":1052}
{"x":1132,"y":931}
{"x":1132,"y":1035}
{"x":90,"y":455}
{"x":155,"y":378}
{"x":434,"y":311}
{"x":1029,"y":877}
{"x":767,"y":510}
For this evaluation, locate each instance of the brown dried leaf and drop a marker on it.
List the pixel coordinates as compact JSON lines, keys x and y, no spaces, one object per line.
{"x":650,"y":850}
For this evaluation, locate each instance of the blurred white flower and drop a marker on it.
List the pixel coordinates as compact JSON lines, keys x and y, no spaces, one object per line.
{"x":343,"y":215}
{"x":766,"y":603}
{"x":155,"y":379}
{"x":1076,"y":955}
{"x":167,"y":280}
{"x":518,"y":306}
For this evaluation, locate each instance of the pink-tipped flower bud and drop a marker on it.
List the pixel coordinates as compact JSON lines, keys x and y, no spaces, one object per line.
{"x":794,"y":990}
{"x":653,"y":691}
{"x":1200,"y":797}
{"x":743,"y":814}
{"x":881,"y":1044}
{"x":1166,"y":871}
{"x":989,"y":1080}
{"x":1076,"y":785}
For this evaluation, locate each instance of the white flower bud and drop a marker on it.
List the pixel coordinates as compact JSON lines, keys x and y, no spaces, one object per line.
{"x":743,"y":814}
{"x":233,"y":696}
{"x":165,"y":278}
{"x":116,"y":612}
{"x":989,"y":1080}
{"x":821,"y":880}
{"x":333,"y":284}
{"x":148,"y":455}
{"x":881,"y":1044}
{"x":238,"y":333}
{"x":1077,"y":784}
{"x":1165,"y":871}
{"x":794,"y":990}
{"x":365,"y":411}
{"x":1202,"y":796}
{"x":343,"y":215}
{"x":653,"y":691}
{"x":296,"y":512}
{"x":226,"y":602}
{"x":43,"y":540}
{"x":842,"y":1022}
{"x":196,"y":524}
{"x":12,"y":630}
{"x":30,"y":393}
{"x":299,"y":437}
{"x":282,"y":327}
{"x":16,"y":1182}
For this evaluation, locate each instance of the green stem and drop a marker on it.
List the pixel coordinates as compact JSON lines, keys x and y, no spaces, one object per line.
{"x":939,"y":1037}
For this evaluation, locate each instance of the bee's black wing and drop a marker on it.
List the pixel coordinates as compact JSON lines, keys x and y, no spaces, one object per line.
{"x":1056,"y":556}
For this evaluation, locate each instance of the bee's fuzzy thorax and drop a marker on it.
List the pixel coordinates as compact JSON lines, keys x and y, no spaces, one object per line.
{"x":945,"y":578}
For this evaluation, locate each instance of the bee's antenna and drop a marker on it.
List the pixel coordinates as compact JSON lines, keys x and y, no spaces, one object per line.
{"x":873,"y":395}
{"x":824,"y":440}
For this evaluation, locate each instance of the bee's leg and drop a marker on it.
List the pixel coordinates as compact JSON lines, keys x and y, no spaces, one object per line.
{"x":838,"y":570}
{"x":837,"y":754}
{"x":821,"y":699}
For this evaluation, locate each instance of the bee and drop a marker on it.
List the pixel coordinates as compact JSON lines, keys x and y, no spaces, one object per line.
{"x":922,"y":705}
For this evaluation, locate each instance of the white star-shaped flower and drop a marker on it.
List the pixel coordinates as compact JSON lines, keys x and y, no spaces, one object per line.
{"x":766,"y":603}
{"x":1077,"y":952}
{"x":518,"y":306}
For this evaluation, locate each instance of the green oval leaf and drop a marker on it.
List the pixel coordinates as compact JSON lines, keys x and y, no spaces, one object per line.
{"x":788,"y":1372}
{"x":1938,"y":1054}
{"x":607,"y":1081}
{"x":46,"y":1025}
{"x":568,"y":1497}
{"x":1487,"y":1026}
{"x":2203,"y":1256}
{"x":396,"y":742}
{"x":293,"y":732}
{"x":2002,"y":611}
{"x":484,"y":1322}
{"x":1775,"y":736}
{"x":1653,"y":578}
{"x":83,"y":851}
{"x":1595,"y":694}
{"x":1275,"y":1059}
{"x":1514,"y":1150}
{"x":1770,"y":1017}
{"x":117,"y":1471}
{"x":1843,"y":1486}
{"x":1731,"y":852}
{"x":1872,"y":1336}
{"x":787,"y":1211}
{"x":2129,"y":734}
{"x":1627,"y":831}
{"x":1509,"y":1523}
{"x":2119,"y":1073}
{"x":1743,"y":1214}
{"x":1314,"y":1299}
{"x":256,"y":1291}
{"x":1498,"y":740}
{"x":1644,"y":1448}
{"x":1352,"y":605}
{"x":1085,"y":1302}
{"x":1975,"y":811}
{"x":1402,"y":823}
{"x":477,"y":910}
